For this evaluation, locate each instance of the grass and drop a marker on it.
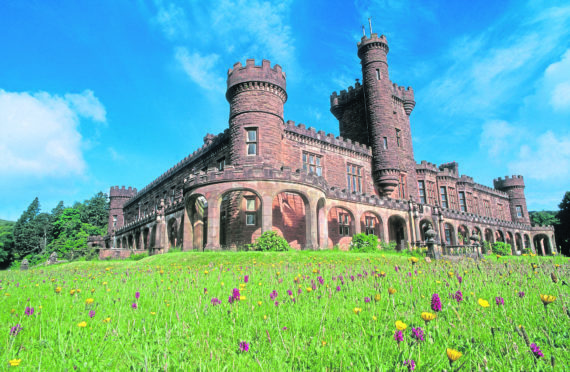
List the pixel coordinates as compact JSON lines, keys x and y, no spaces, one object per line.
{"x":175,"y":326}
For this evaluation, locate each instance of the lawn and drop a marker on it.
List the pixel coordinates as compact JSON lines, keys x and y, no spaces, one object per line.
{"x":290,"y":311}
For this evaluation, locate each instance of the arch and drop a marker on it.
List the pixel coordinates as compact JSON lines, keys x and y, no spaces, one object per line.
{"x":371,"y":224}
{"x":489,"y":236}
{"x":499,"y":236}
{"x":197,"y":212}
{"x":542,"y":244}
{"x":289,"y":214}
{"x":397,"y":231}
{"x":130,"y":241}
{"x":527,"y":244}
{"x":240,"y":217}
{"x":124,"y":245}
{"x":341,"y":226}
{"x":477,"y":231}
{"x":463,"y":235}
{"x":172,"y":233}
{"x":138,"y":239}
{"x":146,"y":240}
{"x":424,"y":226}
{"x":518,"y":242}
{"x":449,"y":234}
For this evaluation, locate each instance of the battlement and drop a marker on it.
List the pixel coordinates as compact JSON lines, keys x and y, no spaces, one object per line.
{"x":373,"y":41}
{"x":122,"y":192}
{"x":465,"y":179}
{"x":328,"y":138}
{"x":452,"y":167}
{"x":427,"y":166}
{"x":508,"y":182}
{"x":252,"y":73}
{"x":345,"y":97}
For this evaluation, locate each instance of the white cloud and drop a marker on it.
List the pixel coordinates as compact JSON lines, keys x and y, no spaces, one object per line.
{"x":172,"y":20}
{"x":40,"y":132}
{"x":545,"y":158}
{"x":497,"y":137}
{"x":203,"y":70}
{"x":557,"y":81}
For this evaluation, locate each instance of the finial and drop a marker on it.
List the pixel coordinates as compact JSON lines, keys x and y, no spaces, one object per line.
{"x":363,"y":31}
{"x":370,"y":25}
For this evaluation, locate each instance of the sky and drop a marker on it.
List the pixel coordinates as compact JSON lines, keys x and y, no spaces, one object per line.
{"x":95,"y":94}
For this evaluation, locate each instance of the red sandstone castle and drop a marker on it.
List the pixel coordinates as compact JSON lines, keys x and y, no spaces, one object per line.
{"x":315,"y":189}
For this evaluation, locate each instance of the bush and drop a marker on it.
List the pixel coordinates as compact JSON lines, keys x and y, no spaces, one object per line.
{"x":174,"y":250}
{"x":270,"y":241}
{"x":501,"y":248}
{"x":364,"y":243}
{"x":485,"y":247}
{"x":138,"y":256}
{"x":388,"y":246}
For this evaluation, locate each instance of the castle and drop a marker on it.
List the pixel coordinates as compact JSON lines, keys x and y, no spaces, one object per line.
{"x":314,"y":189}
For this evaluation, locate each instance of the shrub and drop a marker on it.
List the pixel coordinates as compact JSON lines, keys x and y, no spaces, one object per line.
{"x":364,"y":243}
{"x":270,"y":241}
{"x":485,"y":247}
{"x":501,"y":248}
{"x":174,"y":250}
{"x":138,"y":256}
{"x":388,"y":246}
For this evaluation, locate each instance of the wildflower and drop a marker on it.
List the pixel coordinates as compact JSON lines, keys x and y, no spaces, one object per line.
{"x":410,"y":364}
{"x":500,"y":301}
{"x":309,"y":289}
{"x":536,"y":350}
{"x":107,"y":320}
{"x":428,"y":317}
{"x":89,"y":301}
{"x":547,"y":299}
{"x":91,"y":314}
{"x":215,"y":301}
{"x":418,"y":333}
{"x":15,"y":330}
{"x":338,"y":288}
{"x":244,"y":347}
{"x":15,"y":362}
{"x":483,"y":303}
{"x":413,"y":260}
{"x":366,"y":299}
{"x":391,"y":290}
{"x":235,"y":294}
{"x":57,"y":289}
{"x":521,"y":294}
{"x":152,"y":313}
{"x":459,"y":279}
{"x":377,"y":297}
{"x":399,"y":337}
{"x":453,"y":355}
{"x":82,"y":324}
{"x":357,"y":310}
{"x":401,"y":326}
{"x":246,"y":278}
{"x":458,"y":296}
{"x":435,"y":302}
{"x":273,"y":295}
{"x":134,"y":305}
{"x":137,"y":294}
{"x":72,"y":292}
{"x":276,"y":303}
{"x":374,"y":318}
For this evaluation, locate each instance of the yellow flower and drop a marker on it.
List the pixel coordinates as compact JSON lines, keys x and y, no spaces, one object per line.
{"x":104,"y":283}
{"x":92,"y":290}
{"x":57,"y":289}
{"x":377,"y":297}
{"x":309,"y":289}
{"x":82,"y":324}
{"x":106,"y":320}
{"x":89,"y":301}
{"x":438,"y":281}
{"x":450,"y":273}
{"x":15,"y":362}
{"x":72,"y":292}
{"x":7,"y":294}
{"x":413,"y":260}
{"x":374,"y":318}
{"x":205,"y":272}
{"x":278,"y":273}
{"x":428,"y":317}
{"x":401,"y":326}
{"x":12,"y":311}
{"x":391,"y":290}
{"x":242,"y":298}
{"x":382,"y":274}
{"x":357,"y":310}
{"x":258,"y":303}
{"x":152,"y":313}
{"x":547,"y":299}
{"x":453,"y":355}
{"x":323,"y":343}
{"x":498,"y":256}
{"x":483,"y":303}
{"x":265,"y":317}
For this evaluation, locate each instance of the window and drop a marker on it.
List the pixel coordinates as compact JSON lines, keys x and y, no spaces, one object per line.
{"x":354,"y":177}
{"x":398,"y":137}
{"x":443,"y":194}
{"x":343,"y":224}
{"x":385,"y":143}
{"x":312,"y":163}
{"x":462,"y":206}
{"x":369,"y":225}
{"x":422,"y":189}
{"x":500,"y":209}
{"x":519,"y":211}
{"x":487,"y":208}
{"x":476,"y":202}
{"x":250,"y":211}
{"x":172,"y":193}
{"x":431,"y":190}
{"x":448,"y":234}
{"x":221,"y":164}
{"x":378,"y":76}
{"x":452,"y":198}
{"x":251,"y":141}
{"x":402,"y":187}
{"x":114,"y":221}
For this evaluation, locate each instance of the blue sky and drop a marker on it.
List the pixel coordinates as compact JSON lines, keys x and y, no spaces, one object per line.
{"x":101,"y":93}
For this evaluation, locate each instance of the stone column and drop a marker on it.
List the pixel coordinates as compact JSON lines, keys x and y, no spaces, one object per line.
{"x":357,"y":227}
{"x":312,"y":237}
{"x":213,"y":243}
{"x":323,"y":228}
{"x":266,"y":213}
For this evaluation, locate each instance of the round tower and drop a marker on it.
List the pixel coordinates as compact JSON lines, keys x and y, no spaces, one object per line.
{"x":256,"y":95}
{"x":117,"y":198}
{"x":373,"y":52}
{"x":514,"y":187}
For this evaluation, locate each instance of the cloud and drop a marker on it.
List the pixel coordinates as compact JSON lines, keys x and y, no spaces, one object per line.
{"x":40,"y":132}
{"x":557,"y":81}
{"x":172,"y":20}
{"x":497,"y":137}
{"x":201,"y":69}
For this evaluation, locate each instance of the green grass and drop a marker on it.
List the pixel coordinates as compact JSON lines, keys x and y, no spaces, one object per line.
{"x":175,"y":326}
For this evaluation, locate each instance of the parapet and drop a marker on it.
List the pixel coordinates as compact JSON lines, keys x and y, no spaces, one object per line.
{"x":427,"y":166}
{"x":374,"y":39}
{"x":451,"y":168}
{"x":252,"y":73}
{"x":345,"y":97}
{"x":122,"y":192}
{"x":508,"y":182}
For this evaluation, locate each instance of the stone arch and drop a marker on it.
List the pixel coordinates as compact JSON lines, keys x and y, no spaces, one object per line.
{"x":477,"y":231}
{"x":172,"y":233}
{"x":125,"y":245}
{"x":424,"y":226}
{"x":322,"y":223}
{"x":146,"y":239}
{"x":489,"y":236}
{"x":397,"y":231}
{"x":341,"y":226}
{"x":449,"y":234}
{"x":371,"y":224}
{"x":197,"y":212}
{"x":518,"y":242}
{"x":289,"y":215}
{"x":542,"y":244}
{"x":130,"y":241}
{"x":137,"y":239}
{"x":463,"y":235}
{"x":240,"y":217}
{"x":527,"y":244}
{"x":499,"y":236}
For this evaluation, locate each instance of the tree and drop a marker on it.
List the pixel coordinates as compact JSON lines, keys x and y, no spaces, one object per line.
{"x":95,"y":211}
{"x":562,"y":230}
{"x":26,"y":237}
{"x":6,"y":243}
{"x":543,"y":218}
{"x":73,"y":234}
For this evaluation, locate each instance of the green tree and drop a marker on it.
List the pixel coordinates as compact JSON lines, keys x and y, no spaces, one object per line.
{"x":6,"y":243}
{"x":72,"y":237}
{"x":543,"y":218}
{"x":26,"y":238}
{"x":562,"y":230}
{"x":95,"y":211}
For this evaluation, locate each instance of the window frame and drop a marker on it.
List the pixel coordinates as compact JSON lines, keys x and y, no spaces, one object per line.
{"x":254,"y":142}
{"x":422,"y":191}
{"x":519,"y":210}
{"x":354,"y":175}
{"x":250,"y":212}
{"x":443,"y":197}
{"x":462,"y":201}
{"x":316,"y":166}
{"x":344,"y":223}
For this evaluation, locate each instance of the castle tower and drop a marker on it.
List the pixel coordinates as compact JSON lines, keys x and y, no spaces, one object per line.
{"x":388,"y":107}
{"x":256,"y":95}
{"x":514,"y":187}
{"x":117,"y":198}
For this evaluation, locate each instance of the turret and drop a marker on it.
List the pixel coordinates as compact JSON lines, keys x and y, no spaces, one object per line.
{"x":514,"y":187}
{"x":256,"y":95}
{"x":117,"y":198}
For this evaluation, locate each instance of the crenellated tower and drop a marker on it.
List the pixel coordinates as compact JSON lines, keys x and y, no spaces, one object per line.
{"x":117,"y":198}
{"x":256,"y":95}
{"x":387,"y":109}
{"x":514,"y":187}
